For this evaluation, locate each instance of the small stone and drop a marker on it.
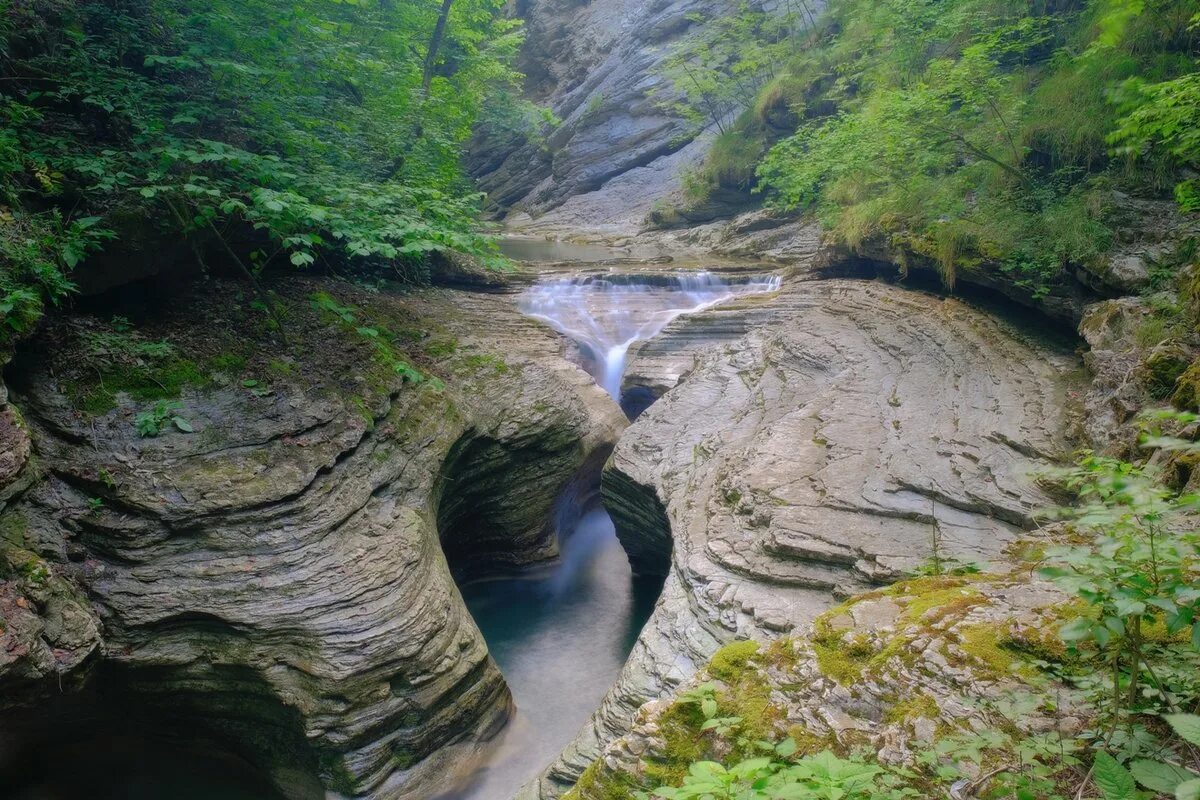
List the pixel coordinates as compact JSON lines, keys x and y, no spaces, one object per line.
{"x":875,"y":614}
{"x":924,"y":729}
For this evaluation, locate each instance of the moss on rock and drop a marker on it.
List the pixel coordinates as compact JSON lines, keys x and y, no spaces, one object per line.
{"x":1164,"y":366}
{"x":1186,"y":395}
{"x":731,"y":661}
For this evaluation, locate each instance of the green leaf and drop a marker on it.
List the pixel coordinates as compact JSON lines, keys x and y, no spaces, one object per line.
{"x":1187,"y":726}
{"x":1159,"y":777}
{"x":708,"y":707}
{"x":786,"y":748}
{"x":1113,"y":779}
{"x":1076,"y":630}
{"x":182,"y":424}
{"x":1188,"y":791}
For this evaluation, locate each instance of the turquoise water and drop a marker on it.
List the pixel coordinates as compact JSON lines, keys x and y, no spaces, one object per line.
{"x":560,"y":637}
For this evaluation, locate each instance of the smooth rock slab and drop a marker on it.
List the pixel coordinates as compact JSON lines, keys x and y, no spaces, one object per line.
{"x":852,"y":431}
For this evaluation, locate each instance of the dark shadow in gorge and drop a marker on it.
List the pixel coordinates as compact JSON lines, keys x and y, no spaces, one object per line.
{"x":118,"y":738}
{"x":1021,"y":312}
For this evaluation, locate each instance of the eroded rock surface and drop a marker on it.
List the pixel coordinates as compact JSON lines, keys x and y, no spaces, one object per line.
{"x":277,"y":572}
{"x":617,"y":150}
{"x":891,"y":673}
{"x":820,"y":442}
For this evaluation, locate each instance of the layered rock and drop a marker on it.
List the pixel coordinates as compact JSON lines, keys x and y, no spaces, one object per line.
{"x":821,"y":442}
{"x":277,"y":573}
{"x":47,"y":629}
{"x":617,"y":150}
{"x":891,"y":674}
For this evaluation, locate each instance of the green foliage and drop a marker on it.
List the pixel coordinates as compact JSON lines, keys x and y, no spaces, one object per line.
{"x":727,"y":59}
{"x":1137,"y":571}
{"x":262,"y":131}
{"x":154,"y":421}
{"x":1140,"y":568}
{"x":823,"y":776}
{"x":1113,"y":779}
{"x":1163,"y":118}
{"x":382,"y":341}
{"x":37,"y":252}
{"x":973,"y":134}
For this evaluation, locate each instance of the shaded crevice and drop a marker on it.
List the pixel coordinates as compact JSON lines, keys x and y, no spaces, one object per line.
{"x":493,"y":506}
{"x":215,"y":731}
{"x":641,"y":522}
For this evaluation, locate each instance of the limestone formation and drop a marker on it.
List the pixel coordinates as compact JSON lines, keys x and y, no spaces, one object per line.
{"x":276,"y":573}
{"x":891,"y":673}
{"x":819,"y":443}
{"x":617,"y":150}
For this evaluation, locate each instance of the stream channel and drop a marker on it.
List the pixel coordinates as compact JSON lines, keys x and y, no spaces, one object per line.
{"x":560,"y":635}
{"x":560,"y":632}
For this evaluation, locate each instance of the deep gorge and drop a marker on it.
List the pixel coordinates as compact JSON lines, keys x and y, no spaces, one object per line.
{"x":599,"y":400}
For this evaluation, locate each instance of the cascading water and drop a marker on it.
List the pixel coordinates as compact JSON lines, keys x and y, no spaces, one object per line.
{"x":560,"y":636}
{"x":606,"y":315}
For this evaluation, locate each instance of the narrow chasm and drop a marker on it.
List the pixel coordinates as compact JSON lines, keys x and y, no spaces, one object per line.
{"x":561,"y":628}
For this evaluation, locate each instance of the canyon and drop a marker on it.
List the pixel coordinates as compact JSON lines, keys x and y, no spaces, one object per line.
{"x":322,"y":575}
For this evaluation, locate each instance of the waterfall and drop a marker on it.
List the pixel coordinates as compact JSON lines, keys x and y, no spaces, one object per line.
{"x":561,"y":635}
{"x":607,"y":314}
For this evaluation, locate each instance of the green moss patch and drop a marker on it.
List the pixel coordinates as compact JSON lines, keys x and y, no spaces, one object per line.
{"x":729,"y":663}
{"x":918,"y":707}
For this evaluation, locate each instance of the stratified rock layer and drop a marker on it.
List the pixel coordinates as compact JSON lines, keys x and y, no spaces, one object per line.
{"x":619,"y":147}
{"x":821,"y":442}
{"x":890,"y":673}
{"x":277,"y":573}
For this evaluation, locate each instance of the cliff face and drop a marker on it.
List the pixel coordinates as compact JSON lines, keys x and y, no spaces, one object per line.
{"x":279,"y":574}
{"x":617,"y":151}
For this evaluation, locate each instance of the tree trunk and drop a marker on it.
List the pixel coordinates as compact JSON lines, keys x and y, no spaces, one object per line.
{"x":435,"y":42}
{"x":418,"y":130}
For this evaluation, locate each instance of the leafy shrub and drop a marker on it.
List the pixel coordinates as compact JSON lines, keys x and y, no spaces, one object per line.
{"x":815,"y":777}
{"x":262,"y":132}
{"x":151,"y":423}
{"x":974,"y":134}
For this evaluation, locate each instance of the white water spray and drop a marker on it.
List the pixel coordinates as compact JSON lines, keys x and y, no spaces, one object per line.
{"x":606,"y":315}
